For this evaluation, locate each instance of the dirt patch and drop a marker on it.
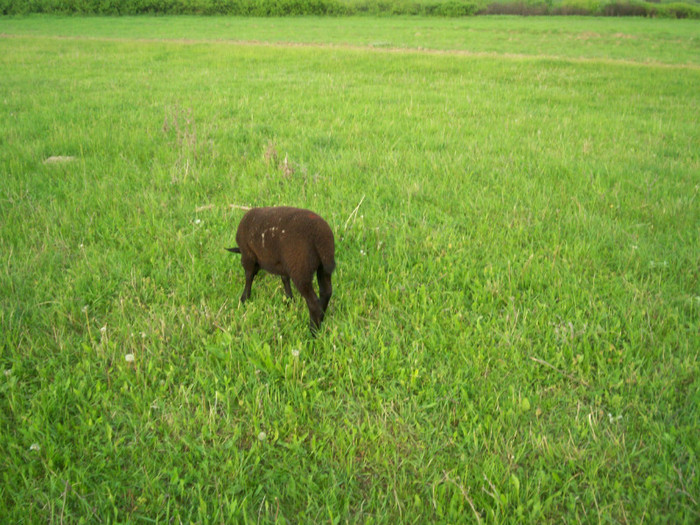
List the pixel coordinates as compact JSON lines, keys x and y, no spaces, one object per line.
{"x":58,"y":159}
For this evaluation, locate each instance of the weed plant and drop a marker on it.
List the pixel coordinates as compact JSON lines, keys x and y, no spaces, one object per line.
{"x":514,"y":331}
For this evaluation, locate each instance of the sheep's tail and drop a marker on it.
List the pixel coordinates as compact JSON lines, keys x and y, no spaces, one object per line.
{"x":328,"y":266}
{"x":234,"y":250}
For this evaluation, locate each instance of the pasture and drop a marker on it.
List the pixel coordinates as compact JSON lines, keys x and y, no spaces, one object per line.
{"x":514,"y":331}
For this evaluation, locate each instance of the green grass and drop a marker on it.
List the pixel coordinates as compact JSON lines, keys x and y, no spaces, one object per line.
{"x":634,"y":39}
{"x":514,"y":331}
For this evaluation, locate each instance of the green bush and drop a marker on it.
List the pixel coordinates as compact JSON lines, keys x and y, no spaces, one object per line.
{"x":577,"y":7}
{"x":455,"y":8}
{"x":519,"y":7}
{"x":626,"y":8}
{"x":677,"y":10}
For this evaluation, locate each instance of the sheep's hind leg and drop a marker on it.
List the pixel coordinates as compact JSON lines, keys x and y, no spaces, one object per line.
{"x":325,"y":288}
{"x":315,"y":311}
{"x":287,"y":287}
{"x":251,"y":269}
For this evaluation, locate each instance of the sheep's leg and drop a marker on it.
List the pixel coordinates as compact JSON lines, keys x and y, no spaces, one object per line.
{"x":251,"y":269}
{"x":287,"y":287}
{"x":325,"y":288}
{"x":306,"y":289}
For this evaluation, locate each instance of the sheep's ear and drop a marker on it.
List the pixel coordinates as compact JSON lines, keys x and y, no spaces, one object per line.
{"x":234,"y":250}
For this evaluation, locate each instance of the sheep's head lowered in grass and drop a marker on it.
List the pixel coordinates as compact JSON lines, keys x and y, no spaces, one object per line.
{"x":294,"y":244}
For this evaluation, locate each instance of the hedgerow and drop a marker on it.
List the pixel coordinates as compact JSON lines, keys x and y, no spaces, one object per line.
{"x":267,"y":8}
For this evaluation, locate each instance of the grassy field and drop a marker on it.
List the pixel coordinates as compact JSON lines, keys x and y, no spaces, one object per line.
{"x":516,"y":319}
{"x":639,"y":40}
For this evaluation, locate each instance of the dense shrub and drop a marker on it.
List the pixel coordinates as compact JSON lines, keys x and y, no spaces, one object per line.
{"x":176,"y":7}
{"x":576,"y":7}
{"x":517,"y":7}
{"x":448,"y":8}
{"x":454,"y":8}
{"x":625,"y":8}
{"x":676,"y":10}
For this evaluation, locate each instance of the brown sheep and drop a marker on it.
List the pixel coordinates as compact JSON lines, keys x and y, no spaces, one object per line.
{"x":293,"y":243}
